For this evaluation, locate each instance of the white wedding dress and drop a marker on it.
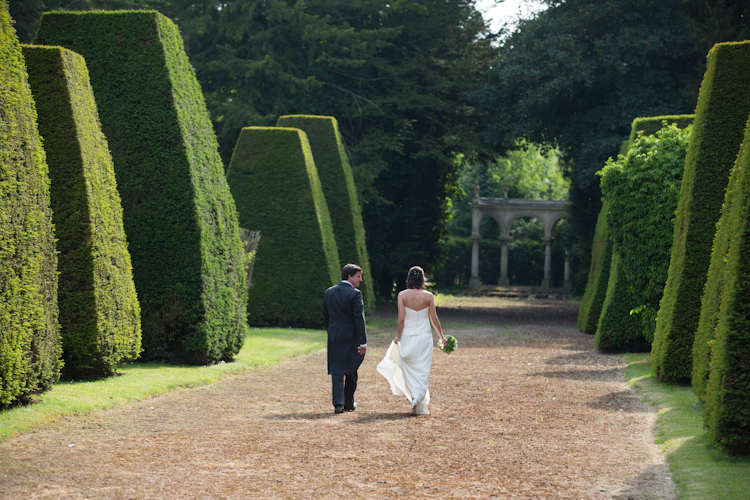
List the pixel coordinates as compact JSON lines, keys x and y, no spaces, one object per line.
{"x":407,"y":364}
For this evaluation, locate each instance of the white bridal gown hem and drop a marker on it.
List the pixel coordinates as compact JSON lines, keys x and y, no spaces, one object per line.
{"x":406,"y":365}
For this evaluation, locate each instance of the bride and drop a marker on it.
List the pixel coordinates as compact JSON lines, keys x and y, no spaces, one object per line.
{"x":407,"y":362}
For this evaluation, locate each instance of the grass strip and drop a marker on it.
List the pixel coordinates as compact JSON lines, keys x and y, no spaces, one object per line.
{"x":701,"y":468}
{"x":135,"y":381}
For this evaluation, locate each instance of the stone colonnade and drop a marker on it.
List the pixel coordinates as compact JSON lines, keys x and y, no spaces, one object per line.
{"x":505,"y":211}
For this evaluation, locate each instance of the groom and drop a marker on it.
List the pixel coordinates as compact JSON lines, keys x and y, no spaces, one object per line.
{"x":344,"y":316}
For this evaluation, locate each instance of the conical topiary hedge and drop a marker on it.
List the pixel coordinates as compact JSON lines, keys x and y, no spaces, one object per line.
{"x":275,"y":184}
{"x":718,"y":127}
{"x":100,"y":318}
{"x":340,"y":192}
{"x":723,"y":352}
{"x":189,"y":265}
{"x":29,"y":331}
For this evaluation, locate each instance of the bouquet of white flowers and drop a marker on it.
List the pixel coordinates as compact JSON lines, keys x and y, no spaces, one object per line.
{"x":450,"y":344}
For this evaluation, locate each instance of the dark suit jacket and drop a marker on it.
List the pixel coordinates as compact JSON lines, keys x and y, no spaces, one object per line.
{"x":344,"y":316}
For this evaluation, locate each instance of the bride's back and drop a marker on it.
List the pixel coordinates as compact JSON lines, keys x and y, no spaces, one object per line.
{"x":416,"y":299}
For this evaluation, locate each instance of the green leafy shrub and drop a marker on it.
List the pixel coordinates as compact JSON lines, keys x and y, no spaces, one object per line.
{"x":720,"y":116}
{"x":189,"y":265}
{"x":100,"y":318}
{"x":652,"y":124}
{"x":340,"y":192}
{"x":593,"y":298}
{"x":275,"y":184}
{"x":618,"y":330}
{"x":726,"y":409}
{"x":642,"y":189}
{"x":29,"y":331}
{"x":596,"y":287}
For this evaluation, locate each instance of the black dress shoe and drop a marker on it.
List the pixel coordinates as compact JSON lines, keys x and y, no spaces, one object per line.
{"x":352,"y":408}
{"x":339,"y":409}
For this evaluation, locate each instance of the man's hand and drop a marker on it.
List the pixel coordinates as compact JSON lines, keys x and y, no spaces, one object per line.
{"x":361,"y":350}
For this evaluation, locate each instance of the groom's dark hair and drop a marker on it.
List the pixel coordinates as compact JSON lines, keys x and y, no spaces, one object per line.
{"x":350,"y":270}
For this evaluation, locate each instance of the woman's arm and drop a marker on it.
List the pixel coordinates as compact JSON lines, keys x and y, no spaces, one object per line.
{"x":401,"y":318}
{"x":434,"y":319}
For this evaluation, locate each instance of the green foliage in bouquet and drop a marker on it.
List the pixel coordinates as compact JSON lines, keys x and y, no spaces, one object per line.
{"x":724,"y":385}
{"x":100,"y":318}
{"x":342,"y":197}
{"x":189,"y":264}
{"x":720,"y":117}
{"x":450,"y":344}
{"x":274,"y":181}
{"x":642,"y":189}
{"x":29,"y":330}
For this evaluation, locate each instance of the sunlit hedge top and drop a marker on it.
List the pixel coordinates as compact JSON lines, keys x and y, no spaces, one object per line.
{"x":181,"y":222}
{"x":29,"y":347}
{"x":276,"y":186}
{"x":652,"y":124}
{"x":340,"y":192}
{"x":100,"y":316}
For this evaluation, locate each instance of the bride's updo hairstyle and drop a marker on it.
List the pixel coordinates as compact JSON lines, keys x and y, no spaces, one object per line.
{"x":415,"y":278}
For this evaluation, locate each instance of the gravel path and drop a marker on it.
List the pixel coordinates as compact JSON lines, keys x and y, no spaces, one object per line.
{"x":525,"y":408}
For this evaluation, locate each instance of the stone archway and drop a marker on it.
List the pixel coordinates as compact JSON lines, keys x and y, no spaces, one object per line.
{"x":505,"y":211}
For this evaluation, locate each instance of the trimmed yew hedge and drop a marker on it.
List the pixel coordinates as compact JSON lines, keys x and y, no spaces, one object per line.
{"x":652,"y":124}
{"x":29,"y":330}
{"x":340,"y":192}
{"x":726,"y":409}
{"x":720,"y":117}
{"x":189,"y":265}
{"x":275,"y":184}
{"x":642,"y":189}
{"x":618,"y":330}
{"x":100,"y":318}
{"x":596,"y":288}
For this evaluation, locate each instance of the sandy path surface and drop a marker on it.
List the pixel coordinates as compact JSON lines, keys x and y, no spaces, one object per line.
{"x":520,"y":410}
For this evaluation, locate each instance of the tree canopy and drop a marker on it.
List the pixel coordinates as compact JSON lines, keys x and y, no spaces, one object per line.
{"x":577,"y":74}
{"x":394,"y":73}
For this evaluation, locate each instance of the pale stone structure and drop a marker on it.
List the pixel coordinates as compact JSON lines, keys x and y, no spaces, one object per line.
{"x":505,"y":211}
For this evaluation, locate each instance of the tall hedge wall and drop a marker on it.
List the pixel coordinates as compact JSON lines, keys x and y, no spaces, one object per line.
{"x":642,"y":189}
{"x":618,"y":330}
{"x":726,"y":409}
{"x":29,"y":331}
{"x":720,"y":116}
{"x":715,"y":283}
{"x":593,"y":297}
{"x":596,"y":288}
{"x":274,"y":181}
{"x":100,"y":318}
{"x":340,"y":192}
{"x":181,"y":222}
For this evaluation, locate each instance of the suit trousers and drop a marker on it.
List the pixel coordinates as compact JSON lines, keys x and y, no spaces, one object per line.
{"x":343,"y":390}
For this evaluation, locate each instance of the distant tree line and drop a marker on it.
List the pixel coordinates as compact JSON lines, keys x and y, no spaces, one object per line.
{"x":414,"y":84}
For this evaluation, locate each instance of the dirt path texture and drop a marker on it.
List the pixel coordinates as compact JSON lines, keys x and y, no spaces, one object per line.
{"x":524,"y":408}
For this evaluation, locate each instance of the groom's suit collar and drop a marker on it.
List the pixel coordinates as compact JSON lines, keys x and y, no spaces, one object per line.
{"x":345,"y":281}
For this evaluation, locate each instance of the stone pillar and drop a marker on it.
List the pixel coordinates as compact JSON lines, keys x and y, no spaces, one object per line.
{"x":567,"y":286}
{"x":547,"y":281}
{"x":504,"y":281}
{"x":474,"y":281}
